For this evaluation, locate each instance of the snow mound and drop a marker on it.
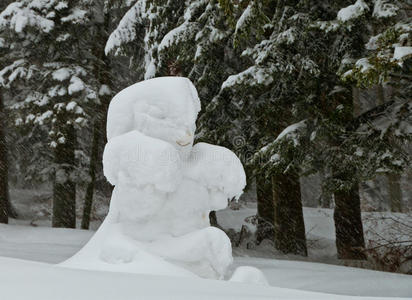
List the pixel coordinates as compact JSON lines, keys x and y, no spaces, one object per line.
{"x":249,"y":275}
{"x":165,"y":188}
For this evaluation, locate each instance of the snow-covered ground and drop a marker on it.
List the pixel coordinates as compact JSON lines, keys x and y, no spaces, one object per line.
{"x":51,"y":246}
{"x":379,"y":227}
{"x":21,"y":280}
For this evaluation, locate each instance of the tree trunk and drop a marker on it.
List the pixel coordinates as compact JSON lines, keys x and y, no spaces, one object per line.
{"x":64,"y":189}
{"x":102,"y":70}
{"x":92,"y":172}
{"x":265,"y":210}
{"x":4,"y":191}
{"x":395,"y":192}
{"x":350,"y":242}
{"x":289,"y":224}
{"x":326,"y":197}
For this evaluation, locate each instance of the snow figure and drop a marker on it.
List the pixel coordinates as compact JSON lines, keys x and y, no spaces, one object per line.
{"x":165,"y":187}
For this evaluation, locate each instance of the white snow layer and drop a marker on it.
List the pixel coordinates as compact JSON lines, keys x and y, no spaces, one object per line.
{"x":247,"y":13}
{"x":402,"y":52}
{"x":17,"y":18}
{"x":61,"y":74}
{"x":290,"y":130}
{"x":126,"y":30}
{"x":158,"y":221}
{"x":173,"y":35}
{"x":352,"y":11}
{"x":22,"y":280}
{"x":384,"y":9}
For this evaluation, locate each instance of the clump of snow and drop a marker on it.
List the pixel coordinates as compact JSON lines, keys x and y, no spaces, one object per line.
{"x":291,"y":129}
{"x":255,"y":75}
{"x":76,"y":85}
{"x":373,"y":42}
{"x":363,"y":64}
{"x":327,"y":26}
{"x":244,"y":17}
{"x":61,"y":5}
{"x":383,"y":9}
{"x":165,"y":188}
{"x":105,"y":90}
{"x":249,"y":274}
{"x":174,"y":35}
{"x":61,"y":74}
{"x":353,"y":11}
{"x":126,"y":30}
{"x":402,"y":52}
{"x":71,"y":106}
{"x":17,"y":17}
{"x":287,"y":36}
{"x":76,"y":16}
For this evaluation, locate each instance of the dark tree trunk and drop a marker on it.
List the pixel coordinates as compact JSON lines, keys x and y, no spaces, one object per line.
{"x":326,"y":197}
{"x":4,"y":191}
{"x":64,"y":188}
{"x":88,"y":201}
{"x":395,"y":192}
{"x":350,"y":242}
{"x":102,"y":70}
{"x":289,"y":224}
{"x":265,"y":210}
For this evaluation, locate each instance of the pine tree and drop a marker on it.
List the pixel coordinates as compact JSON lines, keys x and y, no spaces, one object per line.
{"x":103,"y":70}
{"x":257,"y":104}
{"x":385,"y":62}
{"x":5,"y":205}
{"x":140,"y":33}
{"x":361,"y":142}
{"x":54,"y":88}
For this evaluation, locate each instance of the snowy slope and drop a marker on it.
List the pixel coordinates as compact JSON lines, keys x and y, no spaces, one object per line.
{"x":55,"y":245}
{"x":42,"y":281}
{"x":326,"y":278}
{"x":41,"y":244}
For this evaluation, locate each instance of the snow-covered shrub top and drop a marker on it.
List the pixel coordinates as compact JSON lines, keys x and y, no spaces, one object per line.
{"x":52,"y":77}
